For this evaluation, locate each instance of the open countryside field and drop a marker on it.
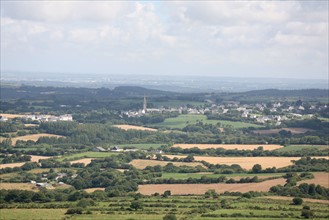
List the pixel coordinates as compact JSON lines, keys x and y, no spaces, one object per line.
{"x":140,"y":146}
{"x":11,"y":165}
{"x":21,"y":186}
{"x":198,"y":189}
{"x":85,"y":161}
{"x":11,"y":116}
{"x":292,"y":148}
{"x":236,"y":176}
{"x":134,"y":127}
{"x":276,"y":131}
{"x":319,"y":178}
{"x":182,"y":120}
{"x":230,"y":146}
{"x":31,"y":137}
{"x":141,"y":164}
{"x":31,"y":125}
{"x":36,"y":214}
{"x":89,"y":154}
{"x":91,"y":190}
{"x":304,"y":199}
{"x":247,"y":162}
{"x":34,"y":158}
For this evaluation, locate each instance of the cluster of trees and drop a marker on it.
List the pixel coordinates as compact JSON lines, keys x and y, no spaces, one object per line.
{"x":171,"y":168}
{"x":303,"y":190}
{"x":14,"y":158}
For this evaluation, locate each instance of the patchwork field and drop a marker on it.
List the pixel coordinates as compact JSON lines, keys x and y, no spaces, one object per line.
{"x":31,"y":137}
{"x":133,"y":127}
{"x":230,"y":146}
{"x":319,"y":178}
{"x":85,"y":161}
{"x":247,"y":162}
{"x":141,"y":164}
{"x":198,"y":189}
{"x":276,"y":131}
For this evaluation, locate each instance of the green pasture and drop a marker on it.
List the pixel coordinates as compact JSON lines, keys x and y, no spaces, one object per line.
{"x":184,"y":207}
{"x":292,"y":148}
{"x":199,"y":175}
{"x":183,"y":120}
{"x":140,"y":146}
{"x":88,"y":154}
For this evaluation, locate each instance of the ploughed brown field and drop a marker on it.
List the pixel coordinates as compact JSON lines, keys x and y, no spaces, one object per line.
{"x":247,"y":162}
{"x":319,"y":178}
{"x":141,"y":164}
{"x":275,"y":131}
{"x":133,"y":127}
{"x":85,"y":161}
{"x":31,"y":137}
{"x":198,"y":189}
{"x":230,"y":146}
{"x":34,"y":158}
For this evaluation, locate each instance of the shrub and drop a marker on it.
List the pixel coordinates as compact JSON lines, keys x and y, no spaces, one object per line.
{"x":72,"y":211}
{"x":297,"y":201}
{"x":169,"y":217}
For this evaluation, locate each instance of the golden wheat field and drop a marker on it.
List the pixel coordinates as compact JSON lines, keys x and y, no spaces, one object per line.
{"x":230,"y":146}
{"x":133,"y":127}
{"x":247,"y":162}
{"x":198,"y":189}
{"x":91,"y":190}
{"x":85,"y":161}
{"x":321,"y":178}
{"x":141,"y":164}
{"x":21,"y":186}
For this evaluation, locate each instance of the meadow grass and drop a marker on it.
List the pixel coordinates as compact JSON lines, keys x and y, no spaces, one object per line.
{"x":293,"y":148}
{"x":183,"y":120}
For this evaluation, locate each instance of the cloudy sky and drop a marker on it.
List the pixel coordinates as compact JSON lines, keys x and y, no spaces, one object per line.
{"x":240,"y":38}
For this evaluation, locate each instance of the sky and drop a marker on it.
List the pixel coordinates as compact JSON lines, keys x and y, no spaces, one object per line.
{"x":272,"y":39}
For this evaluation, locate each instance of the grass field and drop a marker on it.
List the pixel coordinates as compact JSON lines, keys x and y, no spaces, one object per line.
{"x":89,"y":154}
{"x":236,"y":176}
{"x":35,"y":214}
{"x":141,"y":164}
{"x":182,"y":120}
{"x":230,"y":146}
{"x":140,"y":146}
{"x":293,"y":148}
{"x":184,"y":207}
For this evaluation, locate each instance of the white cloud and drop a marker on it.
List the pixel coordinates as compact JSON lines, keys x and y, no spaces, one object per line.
{"x":256,"y":35}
